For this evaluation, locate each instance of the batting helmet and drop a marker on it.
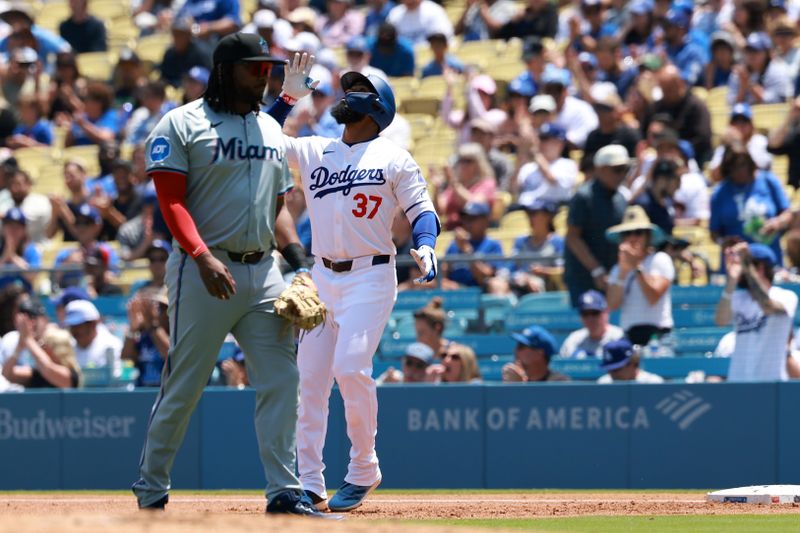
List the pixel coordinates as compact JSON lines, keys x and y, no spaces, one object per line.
{"x":378,"y":105}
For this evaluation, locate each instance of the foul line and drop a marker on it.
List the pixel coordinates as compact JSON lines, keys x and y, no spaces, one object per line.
{"x":185,"y":500}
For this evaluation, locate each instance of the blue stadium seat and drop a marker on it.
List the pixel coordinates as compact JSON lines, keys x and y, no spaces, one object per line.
{"x":701,"y":340}
{"x":563,"y":320}
{"x":112,"y":306}
{"x":693,"y":317}
{"x":468,"y":298}
{"x":696,"y":296}
{"x":546,"y":301}
{"x":666,"y":367}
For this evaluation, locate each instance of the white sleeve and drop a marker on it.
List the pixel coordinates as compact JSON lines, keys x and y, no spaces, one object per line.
{"x":662,"y":265}
{"x":787,"y":299}
{"x":567,"y":173}
{"x":716,"y":159}
{"x":410,"y":188}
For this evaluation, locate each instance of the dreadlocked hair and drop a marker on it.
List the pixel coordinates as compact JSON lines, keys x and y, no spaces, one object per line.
{"x":221,"y":93}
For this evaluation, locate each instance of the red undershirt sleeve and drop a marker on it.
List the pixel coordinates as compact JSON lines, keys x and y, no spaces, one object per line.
{"x":171,"y":192}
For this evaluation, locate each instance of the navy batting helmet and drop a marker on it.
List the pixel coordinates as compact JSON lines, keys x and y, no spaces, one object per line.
{"x":378,"y":105}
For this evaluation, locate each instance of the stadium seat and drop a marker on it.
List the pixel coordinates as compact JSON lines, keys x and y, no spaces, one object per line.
{"x":696,"y":296}
{"x":547,"y":301}
{"x":515,"y":222}
{"x":693,"y":317}
{"x":698,"y":340}
{"x":429,"y":106}
{"x":467,"y":298}
{"x":87,"y":155}
{"x":152,"y":47}
{"x":553,"y":321}
{"x":769,"y":116}
{"x":97,"y":65}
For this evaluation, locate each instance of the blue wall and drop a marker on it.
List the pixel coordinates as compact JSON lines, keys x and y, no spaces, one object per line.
{"x":494,"y":436}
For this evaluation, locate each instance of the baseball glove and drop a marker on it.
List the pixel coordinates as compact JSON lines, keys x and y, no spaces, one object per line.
{"x":299,"y":303}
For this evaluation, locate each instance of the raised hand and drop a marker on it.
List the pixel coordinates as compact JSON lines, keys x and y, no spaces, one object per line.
{"x":296,"y":82}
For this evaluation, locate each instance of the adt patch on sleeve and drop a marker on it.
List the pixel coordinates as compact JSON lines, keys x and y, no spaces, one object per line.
{"x":159,"y":149}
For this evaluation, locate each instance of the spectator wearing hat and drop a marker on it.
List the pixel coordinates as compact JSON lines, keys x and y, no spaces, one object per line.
{"x":95,"y":346}
{"x":658,"y":196}
{"x":95,"y":266}
{"x":32,"y":129}
{"x":575,"y":116}
{"x":535,"y":347}
{"x":429,"y":324}
{"x":83,"y":32}
{"x":483,"y":132}
{"x":640,"y":26}
{"x":18,"y":193}
{"x":416,"y":19}
{"x":611,"y":129}
{"x":184,"y":54}
{"x":65,"y":297}
{"x":64,"y":210}
{"x":340,"y":23}
{"x":480,"y":21}
{"x":147,"y":338}
{"x":126,"y":205}
{"x":96,"y":121}
{"x":723,"y":58}
{"x":358,"y":54}
{"x":762,"y":314}
{"x":759,"y":79}
{"x":741,"y":130}
{"x":212,"y":19}
{"x":194,"y":84}
{"x":596,"y":206}
{"x":542,"y":110}
{"x":640,"y":283}
{"x":416,"y":361}
{"x":88,"y":225}
{"x":441,"y":59}
{"x":376,"y":15}
{"x":621,"y":360}
{"x":690,"y":116}
{"x":784,"y":32}
{"x":17,"y":250}
{"x":19,"y":16}
{"x":470,"y":180}
{"x":536,"y":276}
{"x":747,"y":204}
{"x":390,"y":52}
{"x":544,"y":173}
{"x":157,"y":255}
{"x":459,"y":365}
{"x":470,"y":239}
{"x":518,"y":97}
{"x":24,"y":77}
{"x":687,"y":55}
{"x":54,"y":364}
{"x":590,"y":25}
{"x":538,"y":19}
{"x":481,"y":91}
{"x":588,"y":342}
{"x":534,"y":57}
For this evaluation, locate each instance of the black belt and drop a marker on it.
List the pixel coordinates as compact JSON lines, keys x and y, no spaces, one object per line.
{"x":249,"y":258}
{"x":346,"y":266}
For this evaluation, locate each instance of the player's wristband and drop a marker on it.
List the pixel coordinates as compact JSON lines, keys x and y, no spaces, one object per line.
{"x":598,"y":271}
{"x":288,"y":99}
{"x":303,"y":270}
{"x":295,"y":255}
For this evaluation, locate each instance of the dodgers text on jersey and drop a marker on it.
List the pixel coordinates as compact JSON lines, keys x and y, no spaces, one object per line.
{"x":326,"y":182}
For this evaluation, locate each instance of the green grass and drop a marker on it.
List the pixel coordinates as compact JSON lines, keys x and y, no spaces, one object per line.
{"x":640,"y":524}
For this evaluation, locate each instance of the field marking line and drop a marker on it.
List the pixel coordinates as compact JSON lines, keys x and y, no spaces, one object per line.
{"x":187,"y":500}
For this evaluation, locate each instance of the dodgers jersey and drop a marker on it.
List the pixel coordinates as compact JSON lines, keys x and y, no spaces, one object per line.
{"x":352,"y":193}
{"x":235,"y":168}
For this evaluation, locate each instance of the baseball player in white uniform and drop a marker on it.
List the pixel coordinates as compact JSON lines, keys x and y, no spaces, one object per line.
{"x":353,"y":186}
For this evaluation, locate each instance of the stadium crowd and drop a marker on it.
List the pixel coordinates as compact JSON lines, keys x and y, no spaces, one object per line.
{"x":568,"y":146}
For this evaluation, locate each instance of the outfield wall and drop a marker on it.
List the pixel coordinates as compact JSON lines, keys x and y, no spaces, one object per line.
{"x":479,"y":436}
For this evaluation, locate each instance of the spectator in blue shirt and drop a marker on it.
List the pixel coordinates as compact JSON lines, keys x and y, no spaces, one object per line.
{"x":147,"y":339}
{"x":471,"y":239}
{"x":17,"y":250}
{"x":392,"y":54}
{"x":88,"y":225}
{"x":682,"y":51}
{"x":745,"y":200}
{"x":723,"y":58}
{"x":657,"y":198}
{"x":378,"y":11}
{"x":32,"y":129}
{"x":48,"y":44}
{"x":441,"y":59}
{"x":541,"y":240}
{"x":212,"y":18}
{"x":584,"y":36}
{"x":97,"y":122}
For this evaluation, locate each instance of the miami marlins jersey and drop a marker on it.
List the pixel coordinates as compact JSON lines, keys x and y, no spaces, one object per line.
{"x":235,"y":168}
{"x":352,"y":193}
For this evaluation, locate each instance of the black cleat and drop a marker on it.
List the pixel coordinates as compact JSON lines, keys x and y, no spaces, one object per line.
{"x":157,"y":505}
{"x":294,"y":503}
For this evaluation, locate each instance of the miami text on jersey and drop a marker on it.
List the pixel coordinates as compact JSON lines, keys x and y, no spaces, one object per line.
{"x":327,"y":182}
{"x":236,"y":149}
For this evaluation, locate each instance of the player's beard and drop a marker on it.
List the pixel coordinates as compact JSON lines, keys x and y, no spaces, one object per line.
{"x":343,"y":114}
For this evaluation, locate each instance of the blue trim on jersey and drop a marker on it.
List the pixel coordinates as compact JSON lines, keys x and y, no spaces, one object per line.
{"x":166,"y":169}
{"x":167,"y":363}
{"x":287,"y":189}
{"x":424,"y":229}
{"x":279,"y":110}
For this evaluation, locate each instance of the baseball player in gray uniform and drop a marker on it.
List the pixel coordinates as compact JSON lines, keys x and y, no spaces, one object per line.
{"x":220,"y":170}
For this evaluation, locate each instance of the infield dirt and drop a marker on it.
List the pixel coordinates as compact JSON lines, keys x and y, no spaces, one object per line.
{"x":382,"y":513}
